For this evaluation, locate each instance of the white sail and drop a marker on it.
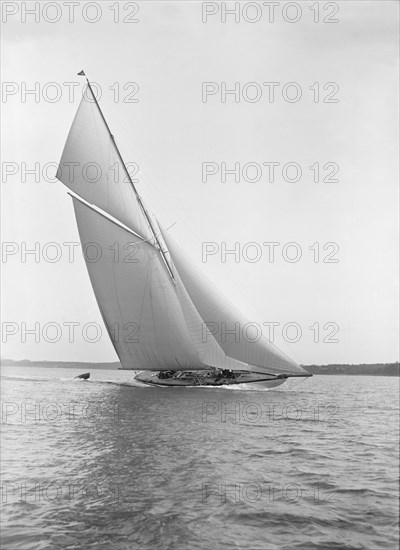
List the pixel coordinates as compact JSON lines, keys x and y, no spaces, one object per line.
{"x":91,"y":167}
{"x":209,"y":350}
{"x":136,"y":296}
{"x":159,"y":314}
{"x":227,"y":325}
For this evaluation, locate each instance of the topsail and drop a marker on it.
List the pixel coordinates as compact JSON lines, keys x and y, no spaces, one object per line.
{"x":91,"y":167}
{"x":159,"y":313}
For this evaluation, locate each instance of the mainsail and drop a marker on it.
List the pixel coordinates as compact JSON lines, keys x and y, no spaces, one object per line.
{"x":136,"y":296}
{"x":159,"y":313}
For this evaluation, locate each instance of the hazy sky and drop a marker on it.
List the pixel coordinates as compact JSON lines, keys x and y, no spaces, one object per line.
{"x":170,"y":132}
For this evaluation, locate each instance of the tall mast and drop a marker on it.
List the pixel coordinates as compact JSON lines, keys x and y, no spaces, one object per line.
{"x":138,"y":197}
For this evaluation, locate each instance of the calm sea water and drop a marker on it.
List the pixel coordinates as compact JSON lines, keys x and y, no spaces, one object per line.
{"x":109,"y":464}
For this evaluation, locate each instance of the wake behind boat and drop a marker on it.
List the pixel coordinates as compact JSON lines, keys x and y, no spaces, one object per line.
{"x":163,"y":317}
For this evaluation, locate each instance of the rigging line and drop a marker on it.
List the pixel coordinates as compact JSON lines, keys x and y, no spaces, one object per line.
{"x":163,"y":205}
{"x":180,"y":316}
{"x":130,"y":180}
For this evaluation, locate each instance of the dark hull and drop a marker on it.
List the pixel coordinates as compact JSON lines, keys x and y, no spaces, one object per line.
{"x":209,"y":379}
{"x":84,"y":376}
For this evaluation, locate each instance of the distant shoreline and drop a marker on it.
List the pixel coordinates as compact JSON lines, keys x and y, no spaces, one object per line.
{"x":373,"y":369}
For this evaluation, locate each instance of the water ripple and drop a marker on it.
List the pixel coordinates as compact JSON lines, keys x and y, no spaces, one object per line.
{"x":112,"y":464}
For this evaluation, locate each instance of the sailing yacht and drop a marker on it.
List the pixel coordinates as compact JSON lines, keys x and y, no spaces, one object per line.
{"x":164,"y":319}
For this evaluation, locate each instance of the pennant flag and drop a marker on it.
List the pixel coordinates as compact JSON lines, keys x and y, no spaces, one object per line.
{"x":82,"y":73}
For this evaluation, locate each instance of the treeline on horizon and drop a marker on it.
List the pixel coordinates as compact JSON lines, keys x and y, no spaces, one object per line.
{"x":366,"y":369}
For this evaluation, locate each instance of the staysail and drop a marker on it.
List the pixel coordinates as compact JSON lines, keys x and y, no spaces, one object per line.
{"x":209,"y":351}
{"x":222,"y":322}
